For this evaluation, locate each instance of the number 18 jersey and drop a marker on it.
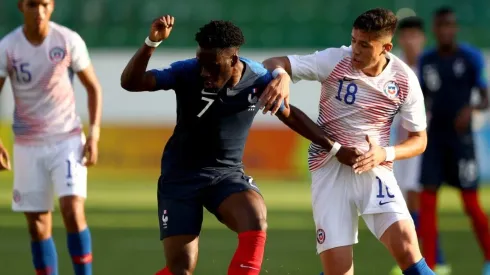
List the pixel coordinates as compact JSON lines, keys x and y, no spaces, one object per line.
{"x":41,"y":78}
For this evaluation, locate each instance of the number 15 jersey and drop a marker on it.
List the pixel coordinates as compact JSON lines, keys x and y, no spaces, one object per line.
{"x":353,"y":105}
{"x":41,"y":78}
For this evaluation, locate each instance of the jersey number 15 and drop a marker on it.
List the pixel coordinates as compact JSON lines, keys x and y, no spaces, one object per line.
{"x":21,"y":73}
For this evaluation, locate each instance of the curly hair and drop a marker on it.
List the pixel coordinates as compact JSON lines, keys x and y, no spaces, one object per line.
{"x":220,"y":34}
{"x":380,"y":21}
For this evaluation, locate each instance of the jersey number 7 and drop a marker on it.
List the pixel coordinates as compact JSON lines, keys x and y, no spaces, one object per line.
{"x":209,"y":102}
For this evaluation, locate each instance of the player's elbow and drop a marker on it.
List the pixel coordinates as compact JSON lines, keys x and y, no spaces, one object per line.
{"x":422,"y":142}
{"x":275,"y":62}
{"x":127,"y":84}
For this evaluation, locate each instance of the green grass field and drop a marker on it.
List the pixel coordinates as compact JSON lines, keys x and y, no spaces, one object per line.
{"x":122,"y":216}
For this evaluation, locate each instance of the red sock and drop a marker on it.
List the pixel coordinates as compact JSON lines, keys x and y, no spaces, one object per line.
{"x":249,"y":254}
{"x":478,"y":219}
{"x":428,"y":226}
{"x":164,"y":271}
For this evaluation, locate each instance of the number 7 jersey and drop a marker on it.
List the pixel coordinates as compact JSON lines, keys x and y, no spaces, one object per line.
{"x":353,"y":105}
{"x":41,"y":78}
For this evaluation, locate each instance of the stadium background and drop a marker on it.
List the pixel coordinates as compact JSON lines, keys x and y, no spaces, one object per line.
{"x":136,"y":126}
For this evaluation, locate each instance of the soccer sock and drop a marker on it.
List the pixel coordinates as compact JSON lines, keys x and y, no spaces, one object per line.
{"x":44,"y":257}
{"x":479,"y":221}
{"x":80,"y":247}
{"x":164,"y":271}
{"x":440,"y":259}
{"x":428,"y":226}
{"x":419,"y":268}
{"x":249,"y":254}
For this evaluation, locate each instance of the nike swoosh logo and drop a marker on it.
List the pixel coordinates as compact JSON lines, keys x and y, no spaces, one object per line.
{"x":230,"y":92}
{"x":208,"y":93}
{"x":348,"y":79}
{"x":250,"y":267}
{"x":385,"y":202}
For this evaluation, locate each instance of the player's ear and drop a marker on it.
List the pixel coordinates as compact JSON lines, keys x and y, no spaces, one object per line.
{"x":20,"y":5}
{"x":387,"y":47}
{"x":234,"y":60}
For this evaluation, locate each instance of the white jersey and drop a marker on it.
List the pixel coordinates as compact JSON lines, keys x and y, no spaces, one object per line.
{"x":353,"y":105}
{"x":41,"y":78}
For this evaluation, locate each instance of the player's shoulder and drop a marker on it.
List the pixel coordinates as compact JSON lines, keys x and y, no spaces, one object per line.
{"x":65,"y":33}
{"x":185,"y":65}
{"x":472,"y":53}
{"x":10,"y":38}
{"x":257,"y":72}
{"x":335,"y":55}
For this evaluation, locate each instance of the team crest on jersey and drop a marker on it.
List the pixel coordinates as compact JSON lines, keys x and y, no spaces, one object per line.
{"x":320,"y":236}
{"x":56,"y":54}
{"x":391,"y":89}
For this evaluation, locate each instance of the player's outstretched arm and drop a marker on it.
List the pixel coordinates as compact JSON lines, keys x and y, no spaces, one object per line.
{"x":299,"y":122}
{"x":278,"y":89}
{"x":135,"y":77}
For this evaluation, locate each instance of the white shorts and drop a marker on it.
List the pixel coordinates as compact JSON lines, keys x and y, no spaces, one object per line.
{"x":42,"y":170}
{"x":339,"y":197}
{"x":407,"y":173}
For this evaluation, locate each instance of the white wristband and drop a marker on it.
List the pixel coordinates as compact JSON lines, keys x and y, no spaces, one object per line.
{"x":390,"y":153}
{"x":94,"y":132}
{"x":152,"y":44}
{"x":335,"y":148}
{"x":278,"y":71}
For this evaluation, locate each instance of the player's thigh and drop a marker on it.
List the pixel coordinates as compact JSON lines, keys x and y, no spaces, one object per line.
{"x":432,"y":167}
{"x":180,"y":210}
{"x":334,"y":212}
{"x":69,"y":175}
{"x":462,"y":168}
{"x":181,"y":253}
{"x":236,"y":201}
{"x":33,"y":191}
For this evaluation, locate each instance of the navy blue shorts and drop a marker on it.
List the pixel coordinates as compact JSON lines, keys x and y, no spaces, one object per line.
{"x":451,"y":161}
{"x":181,"y":199}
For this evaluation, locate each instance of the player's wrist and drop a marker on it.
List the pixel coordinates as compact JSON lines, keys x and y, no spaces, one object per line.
{"x":94,"y":132}
{"x":390,"y":153}
{"x":151,"y":42}
{"x":335,"y":148}
{"x":279,"y":72}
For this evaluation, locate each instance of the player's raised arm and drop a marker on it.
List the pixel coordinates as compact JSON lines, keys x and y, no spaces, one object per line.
{"x":299,"y":122}
{"x":135,"y":77}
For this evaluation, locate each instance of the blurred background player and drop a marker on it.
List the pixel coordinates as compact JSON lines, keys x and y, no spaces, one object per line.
{"x":411,"y":39}
{"x":363,"y":87}
{"x":217,"y":94}
{"x":40,"y":58}
{"x":448,"y":75}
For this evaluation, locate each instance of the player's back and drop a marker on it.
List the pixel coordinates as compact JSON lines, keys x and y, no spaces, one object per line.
{"x":447,"y":83}
{"x":211,"y":128}
{"x":41,"y":79}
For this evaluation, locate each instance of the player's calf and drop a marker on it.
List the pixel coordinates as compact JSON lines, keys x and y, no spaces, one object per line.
{"x":43,"y":249}
{"x":78,"y":234}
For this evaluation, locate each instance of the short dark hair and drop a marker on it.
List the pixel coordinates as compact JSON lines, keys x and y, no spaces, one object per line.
{"x":442,"y":11}
{"x":411,"y":22}
{"x":220,"y":34}
{"x":380,"y":21}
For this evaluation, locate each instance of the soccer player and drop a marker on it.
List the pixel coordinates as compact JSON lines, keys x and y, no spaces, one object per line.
{"x":217,"y":94}
{"x":40,"y":59}
{"x":363,"y":87}
{"x":448,"y":74}
{"x":411,"y":38}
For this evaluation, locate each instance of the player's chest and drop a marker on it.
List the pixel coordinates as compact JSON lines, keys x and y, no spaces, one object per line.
{"x":446,"y":74}
{"x":27,"y":63}
{"x":223,"y":104}
{"x":352,"y":94}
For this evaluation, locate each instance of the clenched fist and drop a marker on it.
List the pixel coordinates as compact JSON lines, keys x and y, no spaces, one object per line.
{"x":161,"y":28}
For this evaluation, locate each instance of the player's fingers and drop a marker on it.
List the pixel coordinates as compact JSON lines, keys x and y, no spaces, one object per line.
{"x":264,"y":97}
{"x":363,"y":162}
{"x":366,"y":166}
{"x":276,"y":104}
{"x":286,"y":102}
{"x":367,"y":155}
{"x":172,"y":20}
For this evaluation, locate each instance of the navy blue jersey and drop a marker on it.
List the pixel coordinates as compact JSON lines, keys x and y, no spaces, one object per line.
{"x":447,"y":83}
{"x":211,"y":128}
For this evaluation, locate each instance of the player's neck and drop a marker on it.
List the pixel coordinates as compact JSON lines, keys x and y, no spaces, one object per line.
{"x":237,"y":75}
{"x":36,"y":36}
{"x":377,"y":69}
{"x":447,"y":49}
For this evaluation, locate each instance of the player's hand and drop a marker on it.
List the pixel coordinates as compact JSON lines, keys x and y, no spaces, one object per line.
{"x":348,"y":155}
{"x":275,"y":93}
{"x":463,"y":119}
{"x":161,"y":28}
{"x":90,"y":152}
{"x":4,"y":158}
{"x":371,"y":158}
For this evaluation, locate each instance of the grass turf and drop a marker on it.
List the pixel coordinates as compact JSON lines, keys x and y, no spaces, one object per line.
{"x":124,"y":223}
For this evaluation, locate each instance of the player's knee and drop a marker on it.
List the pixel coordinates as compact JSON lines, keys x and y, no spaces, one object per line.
{"x":73,"y":212}
{"x":39,"y":226}
{"x":182,"y":266}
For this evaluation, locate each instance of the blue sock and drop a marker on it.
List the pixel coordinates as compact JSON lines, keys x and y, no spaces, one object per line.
{"x":80,"y":247}
{"x":419,"y":268}
{"x":415,"y":218}
{"x":44,"y":257}
{"x":439,"y":254}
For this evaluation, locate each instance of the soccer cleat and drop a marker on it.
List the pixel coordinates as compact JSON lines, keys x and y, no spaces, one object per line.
{"x":396,"y":271}
{"x":444,"y":269}
{"x":486,"y":268}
